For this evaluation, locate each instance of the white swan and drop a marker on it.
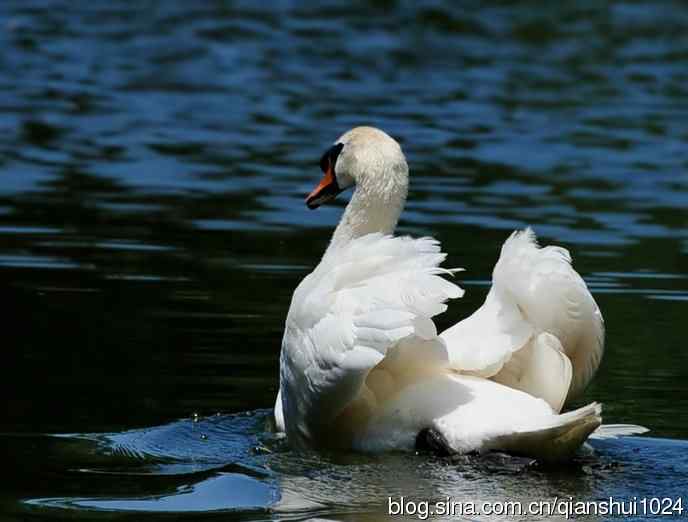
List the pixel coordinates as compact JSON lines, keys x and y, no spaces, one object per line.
{"x":362,"y":366}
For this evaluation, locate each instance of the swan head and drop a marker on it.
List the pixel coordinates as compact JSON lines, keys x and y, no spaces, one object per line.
{"x":369,"y":159}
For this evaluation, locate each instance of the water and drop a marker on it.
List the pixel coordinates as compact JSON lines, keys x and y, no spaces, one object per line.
{"x":153,"y":163}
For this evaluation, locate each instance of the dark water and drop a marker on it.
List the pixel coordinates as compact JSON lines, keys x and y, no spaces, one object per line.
{"x":154,"y":157}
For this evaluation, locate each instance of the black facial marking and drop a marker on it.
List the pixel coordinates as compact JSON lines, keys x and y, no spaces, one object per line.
{"x":330,"y":157}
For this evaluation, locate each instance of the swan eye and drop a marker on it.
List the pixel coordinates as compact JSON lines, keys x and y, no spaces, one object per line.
{"x":330,"y":157}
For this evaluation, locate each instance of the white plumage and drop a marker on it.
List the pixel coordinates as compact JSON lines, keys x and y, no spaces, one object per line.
{"x":362,"y":366}
{"x":539,"y":330}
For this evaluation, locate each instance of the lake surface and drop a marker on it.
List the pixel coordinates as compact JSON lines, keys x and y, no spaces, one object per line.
{"x":154,"y":157}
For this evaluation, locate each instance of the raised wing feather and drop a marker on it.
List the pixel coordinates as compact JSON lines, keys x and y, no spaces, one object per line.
{"x":534,"y":290}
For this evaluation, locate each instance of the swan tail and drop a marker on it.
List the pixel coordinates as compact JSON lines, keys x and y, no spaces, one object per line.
{"x":557,"y":441}
{"x":612,"y":431}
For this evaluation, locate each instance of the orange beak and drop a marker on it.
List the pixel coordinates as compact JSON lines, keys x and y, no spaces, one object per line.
{"x":326,"y":190}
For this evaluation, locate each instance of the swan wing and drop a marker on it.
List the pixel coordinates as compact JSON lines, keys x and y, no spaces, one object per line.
{"x":534,"y":291}
{"x":345,"y":317}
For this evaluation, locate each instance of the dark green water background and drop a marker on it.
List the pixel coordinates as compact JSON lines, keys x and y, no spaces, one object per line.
{"x":154,"y":157}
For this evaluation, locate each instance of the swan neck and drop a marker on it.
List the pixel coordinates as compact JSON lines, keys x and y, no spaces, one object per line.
{"x":368,"y":212}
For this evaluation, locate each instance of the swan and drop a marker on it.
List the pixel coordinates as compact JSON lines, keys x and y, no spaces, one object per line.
{"x":363,"y":368}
